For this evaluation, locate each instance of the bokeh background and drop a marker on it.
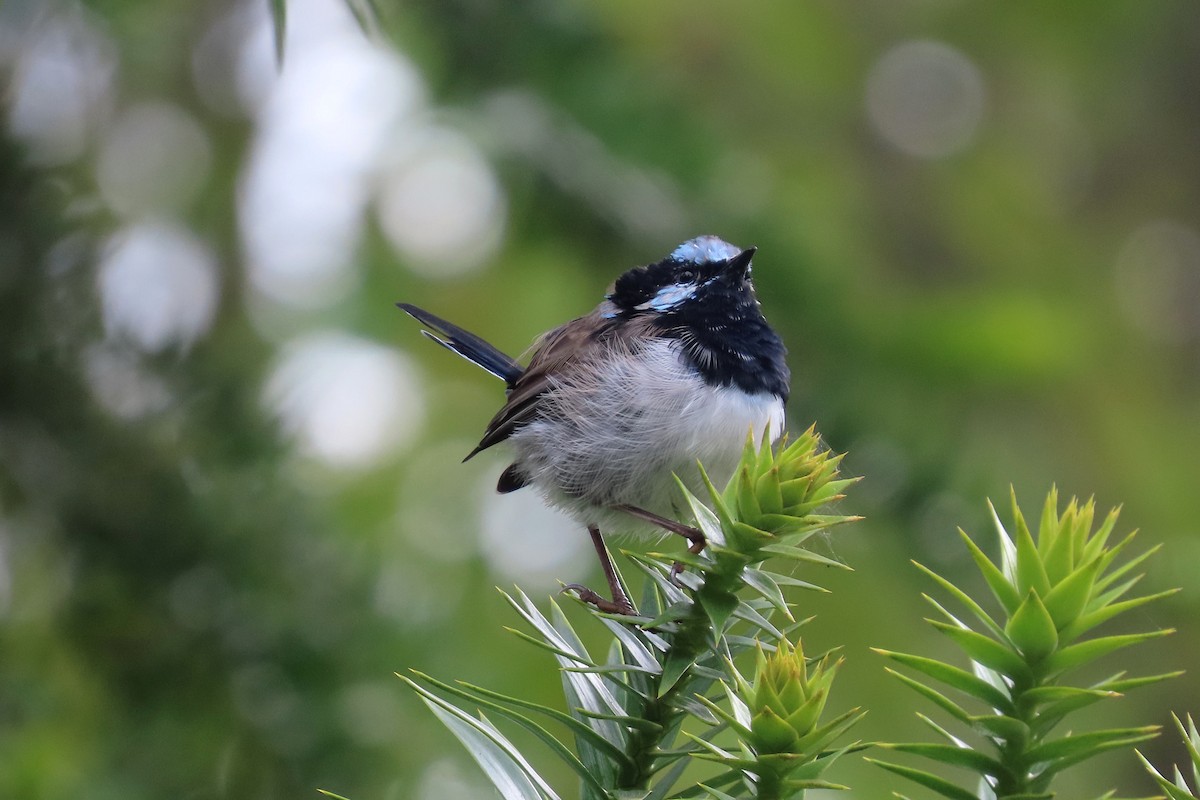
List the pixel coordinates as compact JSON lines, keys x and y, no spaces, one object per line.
{"x":231,"y":502}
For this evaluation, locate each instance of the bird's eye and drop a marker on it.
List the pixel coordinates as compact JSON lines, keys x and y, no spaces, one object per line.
{"x":687,"y":276}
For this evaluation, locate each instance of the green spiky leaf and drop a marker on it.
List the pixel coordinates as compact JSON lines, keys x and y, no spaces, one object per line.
{"x":985,"y":650}
{"x":1004,"y":591}
{"x":953,"y":756}
{"x":1032,"y":630}
{"x":927,"y":779}
{"x":1030,"y":571}
{"x":953,"y":676}
{"x":1071,"y":749}
{"x":1068,"y":598}
{"x":1081,"y":653}
{"x":499,"y":759}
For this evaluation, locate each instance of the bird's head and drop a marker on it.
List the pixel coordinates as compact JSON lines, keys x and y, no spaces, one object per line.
{"x":702,"y":275}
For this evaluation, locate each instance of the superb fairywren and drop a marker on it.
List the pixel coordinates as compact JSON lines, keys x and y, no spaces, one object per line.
{"x":675,"y":366}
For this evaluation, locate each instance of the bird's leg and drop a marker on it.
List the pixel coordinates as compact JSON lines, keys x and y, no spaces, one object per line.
{"x":694,"y":536}
{"x":620,"y":603}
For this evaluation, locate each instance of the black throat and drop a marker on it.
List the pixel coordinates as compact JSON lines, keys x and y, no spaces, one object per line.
{"x":731,"y":344}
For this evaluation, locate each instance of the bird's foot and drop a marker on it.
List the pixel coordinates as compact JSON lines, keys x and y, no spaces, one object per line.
{"x":695,"y":537}
{"x":697,"y":543}
{"x":620,"y":604}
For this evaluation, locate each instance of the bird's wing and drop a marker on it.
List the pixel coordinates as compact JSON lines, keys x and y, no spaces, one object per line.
{"x":553,"y":350}
{"x":568,"y":346}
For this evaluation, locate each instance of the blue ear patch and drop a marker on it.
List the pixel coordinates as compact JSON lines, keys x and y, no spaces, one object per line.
{"x":668,"y":297}
{"x":704,"y":250}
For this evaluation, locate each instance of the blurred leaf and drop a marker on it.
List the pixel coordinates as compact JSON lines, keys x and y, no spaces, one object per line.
{"x":279,"y":28}
{"x":366,"y":14}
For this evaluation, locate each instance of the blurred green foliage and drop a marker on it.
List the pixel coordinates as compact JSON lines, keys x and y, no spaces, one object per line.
{"x":978,"y":230}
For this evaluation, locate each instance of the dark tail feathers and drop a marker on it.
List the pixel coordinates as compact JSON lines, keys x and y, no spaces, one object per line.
{"x":466,"y":344}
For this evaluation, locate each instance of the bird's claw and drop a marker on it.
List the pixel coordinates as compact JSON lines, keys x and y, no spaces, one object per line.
{"x":618,"y":605}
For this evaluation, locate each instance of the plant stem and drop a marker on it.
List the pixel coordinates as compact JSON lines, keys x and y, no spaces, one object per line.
{"x":770,"y":787}
{"x":1014,"y":779}
{"x":694,"y":635}
{"x":686,"y":644}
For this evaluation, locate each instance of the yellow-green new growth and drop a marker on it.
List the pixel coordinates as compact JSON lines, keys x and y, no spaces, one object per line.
{"x":786,"y":700}
{"x":776,"y":717}
{"x":768,"y":510}
{"x":768,"y":507}
{"x":776,"y":489}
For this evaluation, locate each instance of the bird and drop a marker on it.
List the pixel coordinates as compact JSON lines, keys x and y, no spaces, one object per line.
{"x":675,"y":367}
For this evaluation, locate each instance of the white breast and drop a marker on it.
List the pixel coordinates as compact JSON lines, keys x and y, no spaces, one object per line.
{"x":615,"y":434}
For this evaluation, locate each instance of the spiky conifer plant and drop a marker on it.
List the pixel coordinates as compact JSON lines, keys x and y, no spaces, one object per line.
{"x":668,"y":693}
{"x":1052,"y":591}
{"x":1178,"y":789}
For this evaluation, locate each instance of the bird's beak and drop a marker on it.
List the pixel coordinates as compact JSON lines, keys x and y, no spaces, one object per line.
{"x":738,"y":267}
